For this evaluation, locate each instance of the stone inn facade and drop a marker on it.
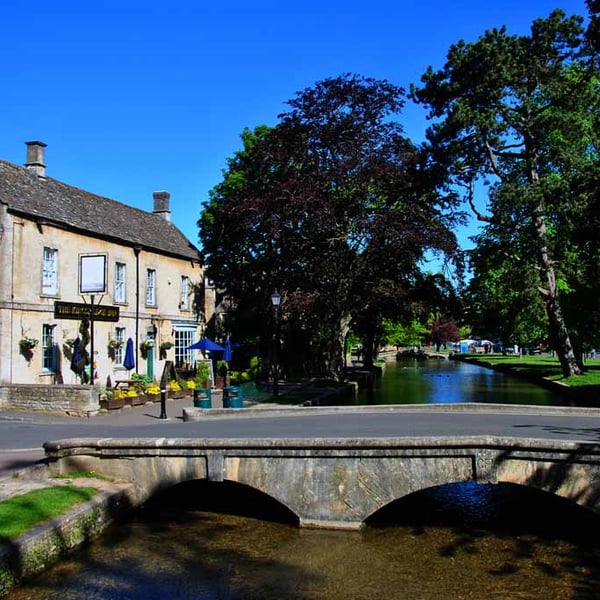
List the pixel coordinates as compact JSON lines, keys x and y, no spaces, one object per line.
{"x":63,"y":249}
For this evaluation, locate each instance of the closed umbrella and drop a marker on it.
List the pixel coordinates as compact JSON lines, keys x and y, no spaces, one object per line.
{"x":227,"y":351}
{"x":129,"y":360}
{"x":78,"y":359}
{"x":205,"y":344}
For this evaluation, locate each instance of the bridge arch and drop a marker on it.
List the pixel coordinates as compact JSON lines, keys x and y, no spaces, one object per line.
{"x":338,"y":483}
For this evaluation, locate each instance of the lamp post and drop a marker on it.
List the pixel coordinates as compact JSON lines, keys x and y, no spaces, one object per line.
{"x":275,"y":301}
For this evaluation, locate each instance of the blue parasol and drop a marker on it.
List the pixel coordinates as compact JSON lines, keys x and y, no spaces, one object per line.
{"x":205,"y":344}
{"x":227,"y":350}
{"x":129,"y":360}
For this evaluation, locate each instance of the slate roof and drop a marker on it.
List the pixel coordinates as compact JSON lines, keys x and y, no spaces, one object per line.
{"x":51,"y":201}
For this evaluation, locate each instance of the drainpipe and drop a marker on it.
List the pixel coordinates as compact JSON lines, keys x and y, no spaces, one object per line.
{"x":137,"y":250}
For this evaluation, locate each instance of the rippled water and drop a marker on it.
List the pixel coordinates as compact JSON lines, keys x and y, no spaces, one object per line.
{"x":459,"y":541}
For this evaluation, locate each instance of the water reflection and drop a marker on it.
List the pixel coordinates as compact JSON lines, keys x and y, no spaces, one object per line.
{"x":459,"y":541}
{"x":410,"y":381}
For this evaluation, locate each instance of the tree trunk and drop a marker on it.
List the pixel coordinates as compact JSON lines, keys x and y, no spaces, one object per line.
{"x":558,"y":328}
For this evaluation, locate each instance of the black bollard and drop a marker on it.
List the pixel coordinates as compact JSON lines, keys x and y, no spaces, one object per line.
{"x":163,"y":404}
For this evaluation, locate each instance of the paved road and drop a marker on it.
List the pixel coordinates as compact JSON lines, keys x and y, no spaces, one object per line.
{"x":22,"y":435}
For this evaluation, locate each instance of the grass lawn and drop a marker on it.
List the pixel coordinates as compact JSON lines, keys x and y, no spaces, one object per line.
{"x":544,"y":366}
{"x":21,"y":513}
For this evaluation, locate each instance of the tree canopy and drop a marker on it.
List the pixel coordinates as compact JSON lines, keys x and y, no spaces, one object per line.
{"x":516,"y":115}
{"x":335,"y":208}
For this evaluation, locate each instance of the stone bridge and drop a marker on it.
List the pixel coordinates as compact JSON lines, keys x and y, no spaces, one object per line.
{"x":338,"y":483}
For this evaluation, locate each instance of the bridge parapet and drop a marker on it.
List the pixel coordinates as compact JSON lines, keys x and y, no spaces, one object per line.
{"x":338,"y":482}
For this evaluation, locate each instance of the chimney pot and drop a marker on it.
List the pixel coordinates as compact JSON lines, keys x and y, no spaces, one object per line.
{"x":35,"y":158}
{"x":161,"y":205}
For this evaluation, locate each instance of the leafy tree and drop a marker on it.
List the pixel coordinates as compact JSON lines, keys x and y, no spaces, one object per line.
{"x":514,"y":115}
{"x":334,"y":207}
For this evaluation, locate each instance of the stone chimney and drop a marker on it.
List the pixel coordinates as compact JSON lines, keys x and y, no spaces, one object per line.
{"x":161,"y":205}
{"x":35,"y":158}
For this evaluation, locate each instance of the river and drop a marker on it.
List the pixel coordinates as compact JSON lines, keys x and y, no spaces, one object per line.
{"x":213,"y":541}
{"x":411,"y":381}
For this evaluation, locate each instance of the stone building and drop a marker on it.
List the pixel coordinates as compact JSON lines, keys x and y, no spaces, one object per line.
{"x":62,"y":250}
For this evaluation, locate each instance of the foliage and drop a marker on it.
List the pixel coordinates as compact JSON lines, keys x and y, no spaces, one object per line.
{"x":21,"y":513}
{"x":398,"y":334}
{"x":333,"y":206}
{"x":516,"y":117}
{"x":145,"y":380}
{"x":162,"y":349}
{"x":27,"y":343}
{"x":145,"y":347}
{"x":202,"y":373}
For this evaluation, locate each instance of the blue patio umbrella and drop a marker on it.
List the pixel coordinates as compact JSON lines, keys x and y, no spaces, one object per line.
{"x":129,"y":360}
{"x":227,"y":350}
{"x":205,"y":344}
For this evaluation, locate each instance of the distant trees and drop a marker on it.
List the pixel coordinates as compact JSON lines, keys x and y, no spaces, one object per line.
{"x":335,"y":208}
{"x":517,"y":116}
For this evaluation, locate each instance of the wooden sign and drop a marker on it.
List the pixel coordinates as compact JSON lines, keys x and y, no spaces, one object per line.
{"x":80,"y":311}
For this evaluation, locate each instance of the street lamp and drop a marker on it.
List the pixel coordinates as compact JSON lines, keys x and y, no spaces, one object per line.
{"x":275,"y":301}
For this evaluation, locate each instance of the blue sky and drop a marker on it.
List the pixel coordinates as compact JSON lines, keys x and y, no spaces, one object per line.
{"x":136,"y":96}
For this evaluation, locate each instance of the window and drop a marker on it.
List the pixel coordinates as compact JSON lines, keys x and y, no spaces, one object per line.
{"x":184,"y":337}
{"x":120,"y":352}
{"x":120,"y":297}
{"x":48,"y":348}
{"x":184,"y":303}
{"x":151,"y":287}
{"x":49,"y":272}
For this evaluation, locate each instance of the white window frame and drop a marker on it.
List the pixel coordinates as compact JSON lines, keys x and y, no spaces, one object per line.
{"x":120,"y":283}
{"x":183,"y":336}
{"x":184,"y":302}
{"x":120,"y":336}
{"x":48,"y":348}
{"x":150,"y":287}
{"x":49,"y":271}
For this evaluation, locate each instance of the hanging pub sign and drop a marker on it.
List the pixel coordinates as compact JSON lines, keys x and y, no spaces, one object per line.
{"x":80,"y":311}
{"x":92,"y":274}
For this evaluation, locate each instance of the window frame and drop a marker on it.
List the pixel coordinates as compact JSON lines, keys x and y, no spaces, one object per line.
{"x":49,"y":271}
{"x":150,"y":287}
{"x":184,"y":296}
{"x":120,"y":284}
{"x":48,"y":353}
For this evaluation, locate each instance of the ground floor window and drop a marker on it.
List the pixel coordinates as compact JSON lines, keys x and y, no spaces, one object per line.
{"x":184,"y":336}
{"x":48,"y":348}
{"x":120,"y":351}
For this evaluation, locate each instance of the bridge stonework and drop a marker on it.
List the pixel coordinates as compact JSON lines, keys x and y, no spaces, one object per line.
{"x":338,"y":483}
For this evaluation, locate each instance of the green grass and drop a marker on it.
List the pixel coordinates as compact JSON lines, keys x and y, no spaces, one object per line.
{"x":20,"y":514}
{"x":543,"y":367}
{"x":85,"y":475}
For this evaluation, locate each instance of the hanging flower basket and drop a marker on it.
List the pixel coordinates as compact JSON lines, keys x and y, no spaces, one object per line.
{"x":113,"y":346}
{"x":145,"y":347}
{"x":27,"y":344}
{"x":163,"y":349}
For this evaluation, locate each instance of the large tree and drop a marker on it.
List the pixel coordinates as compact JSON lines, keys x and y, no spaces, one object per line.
{"x":333,"y":206}
{"x":512,"y":116}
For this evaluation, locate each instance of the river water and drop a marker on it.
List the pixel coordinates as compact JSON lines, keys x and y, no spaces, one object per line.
{"x":210,"y":541}
{"x":411,"y":381}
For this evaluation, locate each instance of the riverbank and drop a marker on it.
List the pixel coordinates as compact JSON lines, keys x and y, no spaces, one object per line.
{"x":582,"y":390}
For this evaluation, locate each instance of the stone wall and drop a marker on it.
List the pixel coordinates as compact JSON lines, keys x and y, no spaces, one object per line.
{"x":76,"y":400}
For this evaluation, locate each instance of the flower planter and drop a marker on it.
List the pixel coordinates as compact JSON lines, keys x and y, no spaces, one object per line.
{"x":112,"y":403}
{"x":136,"y":400}
{"x":176,"y":395}
{"x":153,"y":397}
